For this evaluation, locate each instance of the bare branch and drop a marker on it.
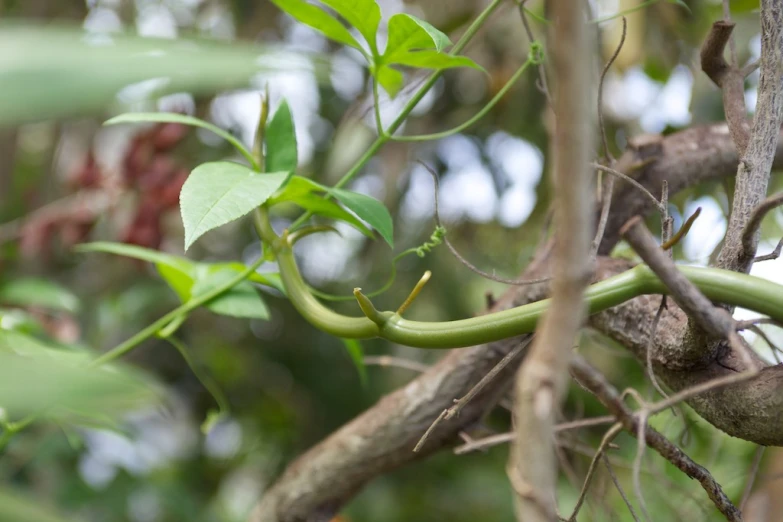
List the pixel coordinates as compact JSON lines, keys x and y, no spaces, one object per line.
{"x":730,"y":79}
{"x":754,"y":169}
{"x":542,"y":379}
{"x":591,"y":379}
{"x":754,"y":222}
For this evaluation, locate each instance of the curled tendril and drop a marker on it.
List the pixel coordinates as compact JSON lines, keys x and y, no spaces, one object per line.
{"x":435,"y":239}
{"x":536,"y":53}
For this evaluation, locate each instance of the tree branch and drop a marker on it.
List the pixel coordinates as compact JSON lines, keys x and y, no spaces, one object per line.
{"x":381,"y":439}
{"x":756,"y":164}
{"x":543,"y":377}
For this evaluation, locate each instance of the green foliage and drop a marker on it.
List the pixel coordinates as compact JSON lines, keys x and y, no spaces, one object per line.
{"x":189,"y":279}
{"x":280,"y":139}
{"x":36,"y":378}
{"x":171,"y":117}
{"x":354,"y":349}
{"x":370,"y":210}
{"x":219,"y":192}
{"x":39,"y":293}
{"x":15,"y":507}
{"x":307,"y":194}
{"x":64,"y":72}
{"x":412,"y":42}
{"x":241,"y":301}
{"x":319,"y":20}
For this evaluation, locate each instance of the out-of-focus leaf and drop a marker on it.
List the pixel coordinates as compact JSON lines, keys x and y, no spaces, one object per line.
{"x":354,"y":349}
{"x":281,"y":141}
{"x":370,"y":210}
{"x":41,"y":379}
{"x":433,"y":60}
{"x":319,"y":20}
{"x":364,"y":15}
{"x":219,"y":192}
{"x":406,"y":33}
{"x":242,"y":300}
{"x":15,"y":507}
{"x":171,"y":117}
{"x":40,"y":293}
{"x":180,"y":281}
{"x":67,"y":71}
{"x":137,"y":252}
{"x":20,"y":321}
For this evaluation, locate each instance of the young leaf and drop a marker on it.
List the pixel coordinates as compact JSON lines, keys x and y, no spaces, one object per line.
{"x":281,"y":141}
{"x":219,"y":192}
{"x":178,"y":280}
{"x":144,"y":254}
{"x":354,"y":349}
{"x":171,"y":117}
{"x":364,"y":15}
{"x":433,"y":60}
{"x":408,"y":33}
{"x":301,"y":191}
{"x":370,"y":210}
{"x":240,"y":301}
{"x":390,"y":79}
{"x":319,"y":20}
{"x":39,"y":293}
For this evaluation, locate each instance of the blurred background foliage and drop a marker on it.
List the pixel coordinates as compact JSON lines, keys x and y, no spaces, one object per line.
{"x":65,"y":180}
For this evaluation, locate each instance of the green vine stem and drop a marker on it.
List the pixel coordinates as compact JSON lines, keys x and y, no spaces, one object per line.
{"x":175,"y":315}
{"x":384,"y":137}
{"x":535,"y":57}
{"x":723,"y":286}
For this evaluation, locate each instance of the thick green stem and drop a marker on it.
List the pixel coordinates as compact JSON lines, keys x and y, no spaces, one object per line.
{"x":722,"y":286}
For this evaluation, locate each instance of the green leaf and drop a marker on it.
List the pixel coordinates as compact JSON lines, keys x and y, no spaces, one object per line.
{"x":281,"y":141}
{"x":17,"y":507}
{"x":408,"y":33}
{"x":178,"y":280}
{"x":364,"y":15}
{"x":219,"y":192}
{"x":370,"y":210}
{"x":39,"y":293}
{"x":319,"y":20}
{"x":34,"y":378}
{"x":240,"y":301}
{"x":354,"y":349}
{"x":66,"y":72}
{"x":301,"y":191}
{"x":136,"y":252}
{"x":390,"y":79}
{"x":433,"y":60}
{"x":171,"y":117}
{"x":271,"y":279}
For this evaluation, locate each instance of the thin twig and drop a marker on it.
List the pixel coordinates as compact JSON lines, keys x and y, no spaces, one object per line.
{"x":607,"y":152}
{"x":462,"y":402}
{"x":396,"y":362}
{"x":751,"y":229}
{"x":461,"y":259}
{"x":651,"y":345}
{"x":619,"y":488}
{"x":608,"y":438}
{"x":630,"y":180}
{"x":772,"y":346}
{"x":596,"y":383}
{"x":501,"y":438}
{"x":754,"y":470}
{"x":772,"y":255}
